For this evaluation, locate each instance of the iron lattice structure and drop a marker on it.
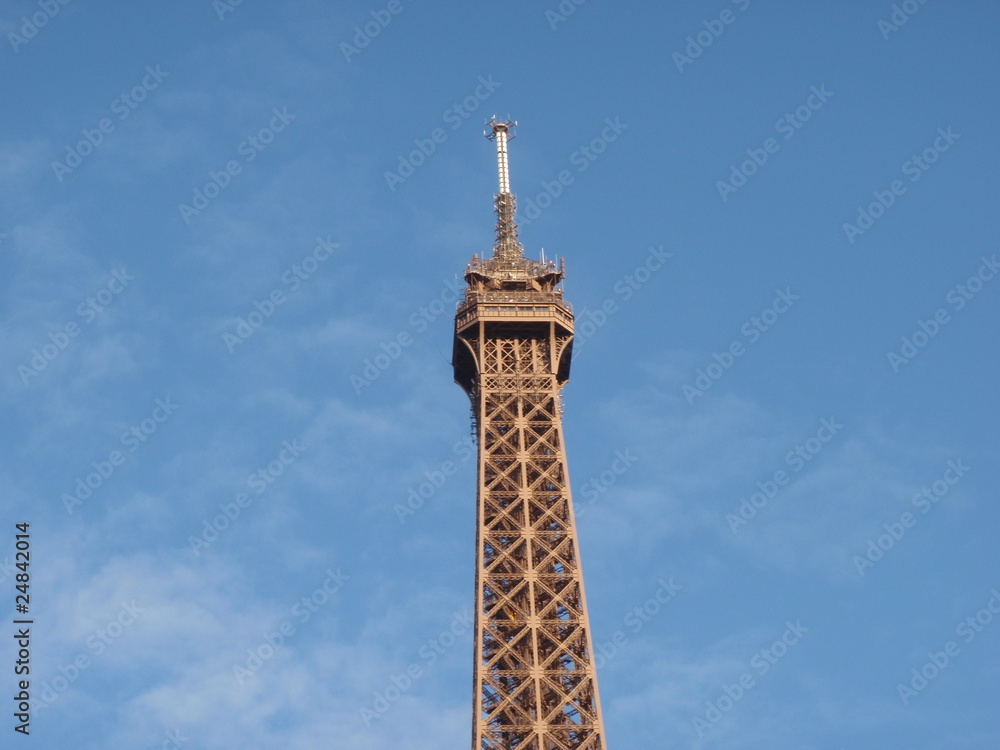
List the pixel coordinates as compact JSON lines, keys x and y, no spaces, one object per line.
{"x":535,"y":684}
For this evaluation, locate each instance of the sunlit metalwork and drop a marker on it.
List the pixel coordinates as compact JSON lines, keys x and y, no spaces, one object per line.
{"x":535,"y":680}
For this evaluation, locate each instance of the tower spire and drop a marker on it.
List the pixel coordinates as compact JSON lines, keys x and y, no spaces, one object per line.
{"x":507,"y":246}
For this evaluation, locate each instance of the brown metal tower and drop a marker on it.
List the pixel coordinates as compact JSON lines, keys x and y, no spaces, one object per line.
{"x":535,"y":685}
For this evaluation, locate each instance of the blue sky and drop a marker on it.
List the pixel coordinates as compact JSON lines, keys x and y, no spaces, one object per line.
{"x":230,"y":234}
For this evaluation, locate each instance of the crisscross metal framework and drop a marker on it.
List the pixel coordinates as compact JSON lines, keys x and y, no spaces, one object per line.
{"x":535,"y":681}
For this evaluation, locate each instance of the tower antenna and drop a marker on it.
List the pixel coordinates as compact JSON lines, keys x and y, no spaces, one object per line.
{"x":507,"y":246}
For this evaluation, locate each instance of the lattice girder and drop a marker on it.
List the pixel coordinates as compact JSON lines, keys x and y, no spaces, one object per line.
{"x":534,"y":671}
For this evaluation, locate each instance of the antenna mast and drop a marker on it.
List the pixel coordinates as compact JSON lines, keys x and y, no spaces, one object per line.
{"x":507,"y":246}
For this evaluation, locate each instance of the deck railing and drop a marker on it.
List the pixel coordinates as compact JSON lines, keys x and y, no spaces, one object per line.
{"x":513,"y":305}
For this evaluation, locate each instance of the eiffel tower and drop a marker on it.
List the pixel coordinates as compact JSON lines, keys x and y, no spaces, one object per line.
{"x":535,"y":683}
